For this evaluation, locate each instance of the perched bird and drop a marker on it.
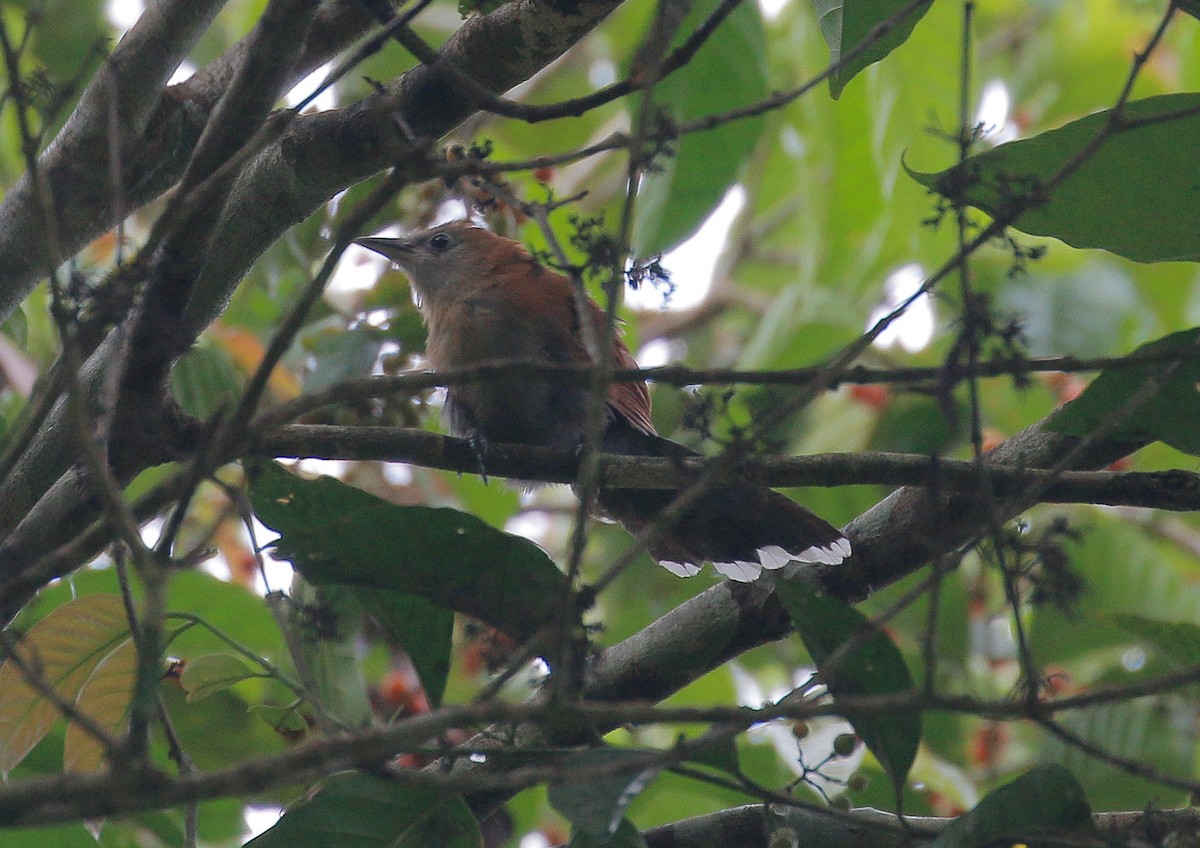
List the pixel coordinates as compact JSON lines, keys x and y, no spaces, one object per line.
{"x":484,"y":298}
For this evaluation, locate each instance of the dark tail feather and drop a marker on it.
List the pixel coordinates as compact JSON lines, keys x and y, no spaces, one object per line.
{"x":740,"y":529}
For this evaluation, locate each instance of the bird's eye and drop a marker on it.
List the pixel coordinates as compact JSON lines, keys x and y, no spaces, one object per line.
{"x":440,"y":243}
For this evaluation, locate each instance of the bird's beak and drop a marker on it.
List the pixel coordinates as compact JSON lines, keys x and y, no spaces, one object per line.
{"x":396,"y":249}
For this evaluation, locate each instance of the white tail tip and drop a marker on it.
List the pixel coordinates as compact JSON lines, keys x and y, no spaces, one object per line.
{"x":770,"y":558}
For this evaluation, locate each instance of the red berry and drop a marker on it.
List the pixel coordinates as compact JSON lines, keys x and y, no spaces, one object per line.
{"x":873,"y":396}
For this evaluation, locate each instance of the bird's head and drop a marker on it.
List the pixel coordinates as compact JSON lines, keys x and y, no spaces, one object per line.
{"x":440,"y":260}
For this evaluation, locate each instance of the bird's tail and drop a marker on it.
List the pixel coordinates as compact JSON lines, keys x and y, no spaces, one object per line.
{"x":741,"y":529}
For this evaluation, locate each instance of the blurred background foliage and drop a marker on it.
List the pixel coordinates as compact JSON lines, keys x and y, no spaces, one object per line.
{"x":816,"y":216}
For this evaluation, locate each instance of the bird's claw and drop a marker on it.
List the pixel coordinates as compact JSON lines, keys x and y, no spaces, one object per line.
{"x":479,"y":448}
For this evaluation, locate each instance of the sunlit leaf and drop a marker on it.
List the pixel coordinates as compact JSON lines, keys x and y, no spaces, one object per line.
{"x":247,"y":352}
{"x":232,"y":609}
{"x":1045,"y":800}
{"x":105,"y":697}
{"x":372,"y":812}
{"x":728,"y":72}
{"x":1168,"y":414}
{"x":874,"y":667}
{"x":326,"y":622}
{"x":64,"y":648}
{"x":1117,"y":199}
{"x":334,"y":533}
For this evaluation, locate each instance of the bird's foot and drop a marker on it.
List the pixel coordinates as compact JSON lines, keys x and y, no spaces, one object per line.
{"x":479,"y":448}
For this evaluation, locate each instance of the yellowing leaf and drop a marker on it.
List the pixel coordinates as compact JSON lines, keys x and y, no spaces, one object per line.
{"x":247,"y":352}
{"x":104,"y":697}
{"x":64,"y":649}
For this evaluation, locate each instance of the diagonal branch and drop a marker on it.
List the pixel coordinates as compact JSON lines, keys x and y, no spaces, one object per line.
{"x":158,"y":131}
{"x":79,"y":159}
{"x":319,"y":156}
{"x":891,"y":540}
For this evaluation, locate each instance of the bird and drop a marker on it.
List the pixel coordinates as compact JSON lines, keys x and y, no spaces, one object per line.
{"x":484,"y":298}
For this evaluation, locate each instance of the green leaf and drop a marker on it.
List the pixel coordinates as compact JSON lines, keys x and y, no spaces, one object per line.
{"x":212,"y":673}
{"x":1140,"y":730}
{"x":1191,"y":7}
{"x":365,"y":811}
{"x":875,"y":667}
{"x":847,"y":23}
{"x":1091,"y":312}
{"x":234,"y":610}
{"x":722,"y":754}
{"x":1179,"y":641}
{"x":285,"y":720}
{"x":241,"y":734}
{"x":729,"y":71}
{"x":70,"y":43}
{"x":626,"y":836}
{"x":1044,"y":800}
{"x":911,"y":424}
{"x":339,"y":354}
{"x":60,"y":836}
{"x":205,"y":380}
{"x":1169,"y":415}
{"x":597,"y":805}
{"x":423,"y":628}
{"x":1118,"y":199}
{"x":326,"y":623}
{"x":336,"y":534}
{"x":1128,"y":571}
{"x":16,"y":327}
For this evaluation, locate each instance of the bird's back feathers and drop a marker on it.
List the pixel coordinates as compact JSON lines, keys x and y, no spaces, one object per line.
{"x":486,"y":299}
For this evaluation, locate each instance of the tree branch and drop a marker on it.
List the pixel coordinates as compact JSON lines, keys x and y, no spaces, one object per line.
{"x":155,"y":147}
{"x":133,"y":77}
{"x":891,"y":540}
{"x":751,"y":826}
{"x":1175,"y":490}
{"x":319,"y":155}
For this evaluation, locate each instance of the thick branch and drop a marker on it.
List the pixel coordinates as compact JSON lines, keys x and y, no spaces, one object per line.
{"x":751,"y":826}
{"x":319,"y":156}
{"x":891,"y":540}
{"x":324,"y":153}
{"x":157,"y":131}
{"x":76,"y":168}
